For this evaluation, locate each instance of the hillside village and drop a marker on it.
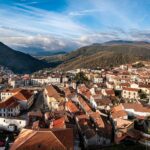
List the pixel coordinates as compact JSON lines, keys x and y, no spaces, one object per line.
{"x":76,"y":109}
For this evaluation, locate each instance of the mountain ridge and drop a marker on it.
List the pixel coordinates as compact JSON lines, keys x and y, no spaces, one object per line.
{"x":19,"y":62}
{"x":106,"y":55}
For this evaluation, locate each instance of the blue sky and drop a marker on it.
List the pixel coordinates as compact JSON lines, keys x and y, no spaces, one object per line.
{"x":69,"y":24}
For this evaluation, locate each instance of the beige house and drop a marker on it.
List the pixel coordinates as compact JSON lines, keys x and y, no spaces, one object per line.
{"x":53,"y":97}
{"x":9,"y":108}
{"x":24,"y":97}
{"x":8,"y":93}
{"x":130,"y":93}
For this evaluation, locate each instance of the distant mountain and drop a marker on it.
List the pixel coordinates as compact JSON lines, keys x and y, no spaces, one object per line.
{"x":49,"y":53}
{"x":19,"y":62}
{"x":124,"y":42}
{"x":108,"y":54}
{"x":39,"y":52}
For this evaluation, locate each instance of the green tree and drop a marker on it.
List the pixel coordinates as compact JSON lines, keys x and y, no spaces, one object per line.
{"x":142,"y":94}
{"x":81,"y":78}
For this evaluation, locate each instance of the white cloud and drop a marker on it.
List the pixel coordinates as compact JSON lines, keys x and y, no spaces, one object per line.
{"x":38,"y":21}
{"x":84,"y":12}
{"x":26,"y":26}
{"x":47,"y":43}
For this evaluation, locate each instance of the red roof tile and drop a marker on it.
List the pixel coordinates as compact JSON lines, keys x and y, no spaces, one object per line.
{"x":54,"y":91}
{"x":130,"y":89}
{"x":58,"y":123}
{"x":71,"y":107}
{"x":46,"y":139}
{"x":11,"y":102}
{"x":137,"y":107}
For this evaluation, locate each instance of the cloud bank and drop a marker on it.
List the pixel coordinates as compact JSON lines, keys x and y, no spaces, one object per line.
{"x":26,"y":26}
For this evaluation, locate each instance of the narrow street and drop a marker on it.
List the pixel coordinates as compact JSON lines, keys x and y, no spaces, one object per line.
{"x":38,"y":102}
{"x":37,"y":105}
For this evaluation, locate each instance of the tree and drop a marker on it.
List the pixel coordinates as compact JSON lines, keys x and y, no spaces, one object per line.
{"x":142,"y":94}
{"x":138,"y":65}
{"x":81,"y":78}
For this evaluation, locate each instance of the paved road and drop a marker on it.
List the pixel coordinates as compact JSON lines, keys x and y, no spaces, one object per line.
{"x":38,"y":104}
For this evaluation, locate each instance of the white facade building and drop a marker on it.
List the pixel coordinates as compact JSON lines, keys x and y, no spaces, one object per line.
{"x":130,"y":93}
{"x":9,"y":124}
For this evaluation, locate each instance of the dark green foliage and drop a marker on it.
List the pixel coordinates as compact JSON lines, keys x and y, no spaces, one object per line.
{"x":142,"y":94}
{"x":81,"y":78}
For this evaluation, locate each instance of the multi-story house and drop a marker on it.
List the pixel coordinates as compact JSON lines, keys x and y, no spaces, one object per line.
{"x":12,"y":124}
{"x":10,"y":107}
{"x":39,"y":80}
{"x":130,"y":93}
{"x":8,"y":93}
{"x":24,"y":97}
{"x":53,"y":97}
{"x":54,"y":79}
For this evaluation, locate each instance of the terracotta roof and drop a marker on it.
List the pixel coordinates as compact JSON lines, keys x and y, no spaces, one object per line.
{"x":35,"y":114}
{"x":137,"y":107}
{"x":110,"y":92}
{"x":117,"y":108}
{"x":103,"y":101}
{"x":84,"y":104}
{"x":58,"y":123}
{"x":66,"y":137}
{"x":80,"y":117}
{"x":97,"y":119}
{"x":125,"y":73}
{"x":23,"y":94}
{"x":11,"y":102}
{"x":12,"y":90}
{"x":85,"y":91}
{"x":118,"y":112}
{"x":72,"y":107}
{"x":130,"y":89}
{"x":20,"y":94}
{"x":47,"y":140}
{"x":54,"y":91}
{"x":125,"y":84}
